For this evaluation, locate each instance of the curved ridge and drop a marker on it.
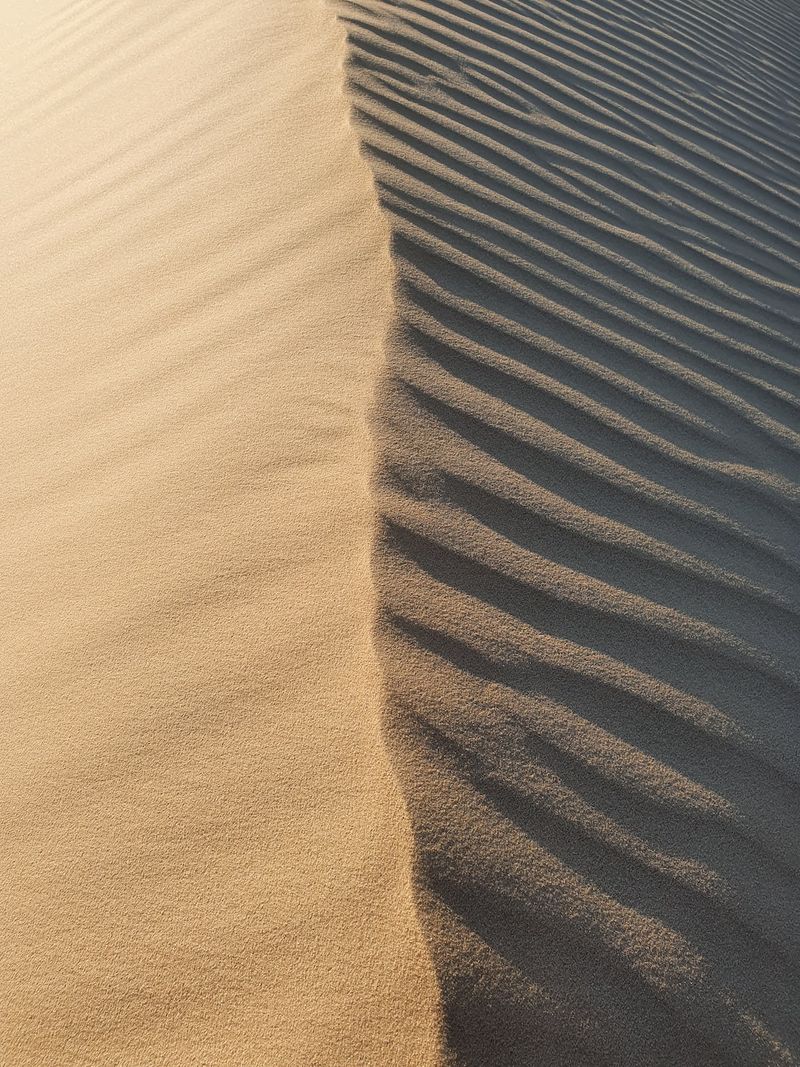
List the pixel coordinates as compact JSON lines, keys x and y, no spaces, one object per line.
{"x":204,"y":853}
{"x":589,"y":557}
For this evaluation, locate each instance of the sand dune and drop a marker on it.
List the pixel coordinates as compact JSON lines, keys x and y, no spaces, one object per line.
{"x":589,"y":561}
{"x":572,"y":632}
{"x":205,"y":859}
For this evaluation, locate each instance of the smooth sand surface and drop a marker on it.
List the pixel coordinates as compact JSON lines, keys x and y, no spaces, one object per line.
{"x":589,"y":566}
{"x":205,"y":860}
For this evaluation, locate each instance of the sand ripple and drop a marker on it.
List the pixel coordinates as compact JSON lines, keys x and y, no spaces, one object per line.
{"x":589,"y":556}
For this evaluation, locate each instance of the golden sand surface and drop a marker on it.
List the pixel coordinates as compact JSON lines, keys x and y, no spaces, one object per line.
{"x":205,"y":859}
{"x":472,"y":460}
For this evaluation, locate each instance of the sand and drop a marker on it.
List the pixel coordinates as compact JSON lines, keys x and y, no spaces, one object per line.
{"x":401,"y":550}
{"x":205,"y":858}
{"x":589,"y":560}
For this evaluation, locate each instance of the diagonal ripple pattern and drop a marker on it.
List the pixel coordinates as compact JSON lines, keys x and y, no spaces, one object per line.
{"x":588,"y":559}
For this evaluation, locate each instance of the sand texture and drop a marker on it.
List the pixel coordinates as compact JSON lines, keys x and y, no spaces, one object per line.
{"x":589,"y":558}
{"x":400,"y":548}
{"x":204,"y":857}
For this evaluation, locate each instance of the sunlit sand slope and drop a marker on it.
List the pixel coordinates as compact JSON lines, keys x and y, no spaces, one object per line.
{"x":204,"y":857}
{"x":589,"y":565}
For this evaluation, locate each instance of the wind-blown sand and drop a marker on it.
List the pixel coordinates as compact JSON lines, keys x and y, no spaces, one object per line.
{"x":205,"y":859}
{"x":589,"y":566}
{"x":572,"y":631}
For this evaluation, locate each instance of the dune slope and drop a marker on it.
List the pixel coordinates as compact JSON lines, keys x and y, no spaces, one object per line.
{"x":589,"y":560}
{"x":204,"y":859}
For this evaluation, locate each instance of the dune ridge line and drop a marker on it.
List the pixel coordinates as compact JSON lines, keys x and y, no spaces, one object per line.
{"x":204,"y":857}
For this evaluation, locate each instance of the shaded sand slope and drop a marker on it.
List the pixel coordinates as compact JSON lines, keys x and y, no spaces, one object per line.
{"x":589,"y":566}
{"x":204,"y":857}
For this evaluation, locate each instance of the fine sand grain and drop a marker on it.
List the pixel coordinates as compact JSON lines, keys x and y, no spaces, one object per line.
{"x":589,"y":562}
{"x":576,"y":323}
{"x":204,"y":856}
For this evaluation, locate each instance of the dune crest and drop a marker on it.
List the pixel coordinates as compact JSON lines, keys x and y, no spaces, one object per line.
{"x":589,"y":560}
{"x":205,"y":859}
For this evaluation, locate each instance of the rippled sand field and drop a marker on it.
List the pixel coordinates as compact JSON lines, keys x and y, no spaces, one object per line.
{"x":401,"y":454}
